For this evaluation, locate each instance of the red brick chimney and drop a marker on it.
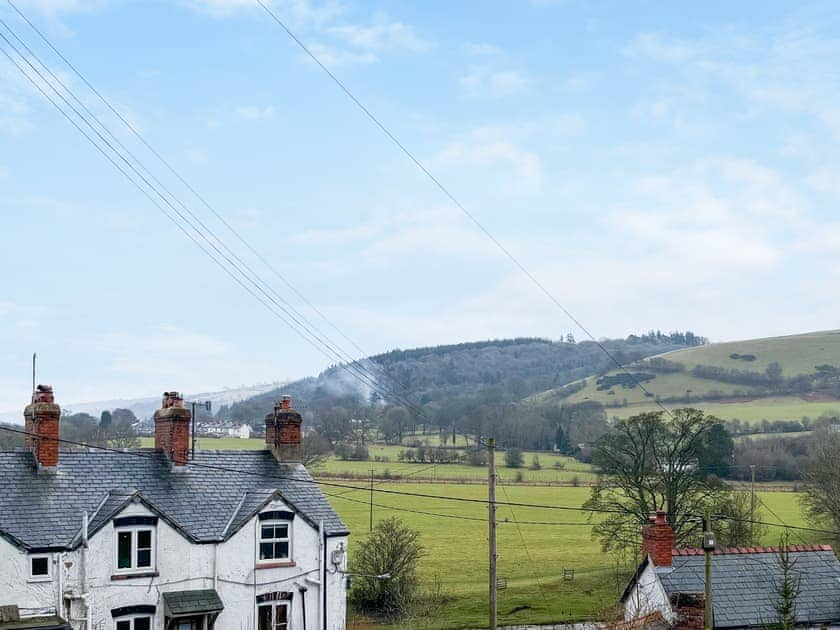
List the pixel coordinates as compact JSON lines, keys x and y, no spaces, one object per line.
{"x":42,"y":416}
{"x":172,"y":428}
{"x":658,"y":540}
{"x":282,"y":431}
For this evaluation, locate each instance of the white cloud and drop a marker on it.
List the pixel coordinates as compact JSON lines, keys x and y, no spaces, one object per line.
{"x":381,"y":36}
{"x":299,"y":11}
{"x":335,"y":57}
{"x":485,"y":82}
{"x":661,"y":48}
{"x":483,"y":49}
{"x":253,"y":112}
{"x":56,"y":7}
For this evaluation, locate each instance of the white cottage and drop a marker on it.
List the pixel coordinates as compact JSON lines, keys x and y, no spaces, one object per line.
{"x":150,"y":539}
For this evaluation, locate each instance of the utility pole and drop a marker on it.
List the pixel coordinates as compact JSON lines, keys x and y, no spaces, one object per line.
{"x":207,"y":406}
{"x":370,"y":527}
{"x":491,"y":500}
{"x":708,"y":548}
{"x":752,"y":504}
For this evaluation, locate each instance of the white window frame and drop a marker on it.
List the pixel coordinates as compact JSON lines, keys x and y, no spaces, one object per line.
{"x":133,"y":618}
{"x":287,"y":604}
{"x":134,"y":529}
{"x":40,"y":578}
{"x":260,"y":540}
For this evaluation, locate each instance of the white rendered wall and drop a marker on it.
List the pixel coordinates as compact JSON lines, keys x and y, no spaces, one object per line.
{"x":182,"y":565}
{"x":647,"y":596}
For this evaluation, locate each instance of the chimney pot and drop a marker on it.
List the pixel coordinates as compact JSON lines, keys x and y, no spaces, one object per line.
{"x":172,"y":428}
{"x":282,"y":431}
{"x":42,"y":418}
{"x":658,"y":540}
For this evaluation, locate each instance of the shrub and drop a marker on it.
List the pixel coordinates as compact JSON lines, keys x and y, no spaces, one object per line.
{"x":535,"y":463}
{"x":514,"y":458}
{"x":391,"y":548}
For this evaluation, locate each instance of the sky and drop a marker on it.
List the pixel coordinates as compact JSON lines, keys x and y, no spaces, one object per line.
{"x":653,"y":165}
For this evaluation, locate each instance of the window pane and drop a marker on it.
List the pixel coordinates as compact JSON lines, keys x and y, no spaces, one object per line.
{"x":266,"y":531}
{"x":123,"y":551}
{"x":263,"y":618}
{"x":266,"y":551}
{"x":281,"y":531}
{"x":40,"y":566}
{"x":281,"y":620}
{"x":142,"y":623}
{"x":144,"y":539}
{"x":281,"y":550}
{"x":144,"y":558}
{"x":125,"y":624}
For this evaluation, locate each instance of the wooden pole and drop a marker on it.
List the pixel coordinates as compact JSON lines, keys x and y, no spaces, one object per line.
{"x":491,"y":498}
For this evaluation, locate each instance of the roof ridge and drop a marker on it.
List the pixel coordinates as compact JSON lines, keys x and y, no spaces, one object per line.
{"x":694,"y":551}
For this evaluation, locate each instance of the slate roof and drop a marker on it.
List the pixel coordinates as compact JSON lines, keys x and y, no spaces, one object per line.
{"x":193,"y":602}
{"x":744,"y":583}
{"x":44,"y":510}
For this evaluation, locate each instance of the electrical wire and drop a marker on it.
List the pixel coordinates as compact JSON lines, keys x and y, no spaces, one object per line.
{"x":372,"y":117}
{"x":353,"y":367}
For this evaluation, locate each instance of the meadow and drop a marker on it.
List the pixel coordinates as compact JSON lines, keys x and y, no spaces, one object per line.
{"x":535,"y":545}
{"x":749,"y":411}
{"x":532,"y":558}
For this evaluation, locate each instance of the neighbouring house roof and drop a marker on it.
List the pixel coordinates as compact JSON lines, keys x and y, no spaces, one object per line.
{"x":52,"y":622}
{"x":44,"y":511}
{"x":193,"y":602}
{"x":745,"y":581}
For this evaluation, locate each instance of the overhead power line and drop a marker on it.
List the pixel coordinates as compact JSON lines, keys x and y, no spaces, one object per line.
{"x":446,"y":192}
{"x":222,"y":257}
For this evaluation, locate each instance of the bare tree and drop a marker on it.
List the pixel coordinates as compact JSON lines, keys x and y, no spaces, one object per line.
{"x":648,"y":462}
{"x":314,"y":449}
{"x":822,"y":479}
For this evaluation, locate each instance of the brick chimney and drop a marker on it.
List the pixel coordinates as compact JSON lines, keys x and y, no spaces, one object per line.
{"x":42,"y":416}
{"x":172,"y":428}
{"x":282,"y":431}
{"x":658,"y":540}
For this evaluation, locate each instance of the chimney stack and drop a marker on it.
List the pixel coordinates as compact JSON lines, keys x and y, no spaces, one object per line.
{"x":172,"y":428}
{"x":658,"y":540}
{"x":42,"y":416}
{"x":282,"y":432}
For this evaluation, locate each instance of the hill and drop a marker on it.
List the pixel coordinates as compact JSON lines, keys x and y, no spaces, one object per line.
{"x":799,"y":374}
{"x":481,"y":372}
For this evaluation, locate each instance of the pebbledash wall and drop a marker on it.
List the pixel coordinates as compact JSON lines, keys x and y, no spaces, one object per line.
{"x":229,"y":567}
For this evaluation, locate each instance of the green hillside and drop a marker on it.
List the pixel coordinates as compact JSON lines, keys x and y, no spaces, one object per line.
{"x":774,"y":378}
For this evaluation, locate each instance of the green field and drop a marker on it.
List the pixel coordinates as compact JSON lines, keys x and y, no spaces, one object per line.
{"x":531,"y":557}
{"x":750,"y":411}
{"x":796,"y":354}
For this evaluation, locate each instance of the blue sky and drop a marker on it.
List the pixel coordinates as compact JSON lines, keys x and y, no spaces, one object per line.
{"x":656,"y":165}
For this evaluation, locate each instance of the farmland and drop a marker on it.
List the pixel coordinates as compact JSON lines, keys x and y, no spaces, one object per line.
{"x":532,"y":558}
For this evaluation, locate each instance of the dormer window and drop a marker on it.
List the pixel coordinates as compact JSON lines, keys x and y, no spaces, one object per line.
{"x":135,"y":544}
{"x":274,"y":537}
{"x":40,"y":568}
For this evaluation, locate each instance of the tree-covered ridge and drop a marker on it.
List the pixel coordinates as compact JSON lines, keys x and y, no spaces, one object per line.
{"x":455,"y":379}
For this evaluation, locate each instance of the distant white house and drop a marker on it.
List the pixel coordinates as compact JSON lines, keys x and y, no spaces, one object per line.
{"x":244,"y":432}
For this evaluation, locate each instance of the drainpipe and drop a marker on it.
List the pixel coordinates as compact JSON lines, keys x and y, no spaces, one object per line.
{"x":83,"y":571}
{"x":59,"y":607}
{"x":302,"y":591}
{"x":322,"y":556}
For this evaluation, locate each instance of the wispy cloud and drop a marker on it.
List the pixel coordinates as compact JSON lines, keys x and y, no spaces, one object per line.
{"x":483,"y":49}
{"x":497,"y":84}
{"x":254,"y":112}
{"x":335,"y":57}
{"x":380,"y":36}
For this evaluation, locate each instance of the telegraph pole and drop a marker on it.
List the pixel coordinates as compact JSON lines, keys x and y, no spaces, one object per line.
{"x":491,"y":499}
{"x":370,"y":527}
{"x":752,"y":504}
{"x":708,"y":548}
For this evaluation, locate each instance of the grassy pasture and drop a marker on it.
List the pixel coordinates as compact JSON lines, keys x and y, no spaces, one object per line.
{"x":531,"y":557}
{"x":750,"y":411}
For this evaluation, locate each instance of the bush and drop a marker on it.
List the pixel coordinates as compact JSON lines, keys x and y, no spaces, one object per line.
{"x":477,"y":457}
{"x":391,"y":548}
{"x":519,"y":477}
{"x":514,"y":458}
{"x":535,"y":463}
